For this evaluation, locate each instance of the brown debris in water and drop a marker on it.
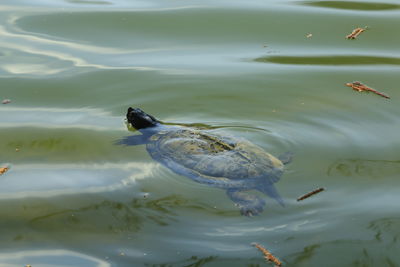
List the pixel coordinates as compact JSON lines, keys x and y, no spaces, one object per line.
{"x":316,"y":191}
{"x":267,"y":255}
{"x":3,"y":170}
{"x":357,"y":86}
{"x":355,"y":33}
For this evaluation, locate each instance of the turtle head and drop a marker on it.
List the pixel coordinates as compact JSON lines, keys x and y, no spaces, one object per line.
{"x":140,"y":119}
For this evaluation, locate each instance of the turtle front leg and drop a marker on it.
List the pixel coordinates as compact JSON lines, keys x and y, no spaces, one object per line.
{"x":249,"y":204}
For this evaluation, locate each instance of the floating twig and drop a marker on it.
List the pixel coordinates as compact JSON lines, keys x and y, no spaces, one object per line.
{"x":355,"y":33}
{"x":357,"y":86}
{"x":3,"y":170}
{"x":267,"y":255}
{"x":316,"y":191}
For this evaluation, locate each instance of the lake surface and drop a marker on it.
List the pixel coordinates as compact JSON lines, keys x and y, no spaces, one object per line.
{"x":245,"y":68}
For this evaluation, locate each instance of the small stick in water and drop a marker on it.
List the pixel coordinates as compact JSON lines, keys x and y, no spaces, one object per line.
{"x":355,"y":33}
{"x":3,"y":170}
{"x":316,"y":191}
{"x":357,"y":86}
{"x":267,"y":255}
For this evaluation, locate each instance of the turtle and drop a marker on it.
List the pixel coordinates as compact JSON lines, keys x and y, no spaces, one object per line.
{"x":225,"y":162}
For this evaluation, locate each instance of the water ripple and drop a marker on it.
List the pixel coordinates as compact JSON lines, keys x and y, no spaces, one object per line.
{"x":48,"y":257}
{"x":89,"y":2}
{"x":42,"y":180}
{"x":333,"y":60}
{"x":352,"y":5}
{"x":40,"y":46}
{"x":84,"y":118}
{"x":361,"y":168}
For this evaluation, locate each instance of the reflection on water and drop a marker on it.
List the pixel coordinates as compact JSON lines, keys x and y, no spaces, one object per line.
{"x":192,"y":262}
{"x":82,"y":118}
{"x":331,"y":60}
{"x":35,"y":180}
{"x":211,"y":261}
{"x":170,"y":205}
{"x":40,"y":55}
{"x":351,"y":5}
{"x":59,"y":258}
{"x":307,"y":254}
{"x":105,"y":217}
{"x":364,"y":168}
{"x":110,"y":216}
{"x":379,"y":248}
{"x":89,"y":2}
{"x":386,"y":230}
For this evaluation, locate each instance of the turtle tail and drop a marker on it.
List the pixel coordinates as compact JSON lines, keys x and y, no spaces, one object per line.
{"x":286,"y":157}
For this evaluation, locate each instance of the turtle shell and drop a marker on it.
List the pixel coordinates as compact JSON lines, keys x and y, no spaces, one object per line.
{"x":197,"y":153}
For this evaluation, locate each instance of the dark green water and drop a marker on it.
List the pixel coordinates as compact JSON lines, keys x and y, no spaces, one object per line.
{"x":246,"y":68}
